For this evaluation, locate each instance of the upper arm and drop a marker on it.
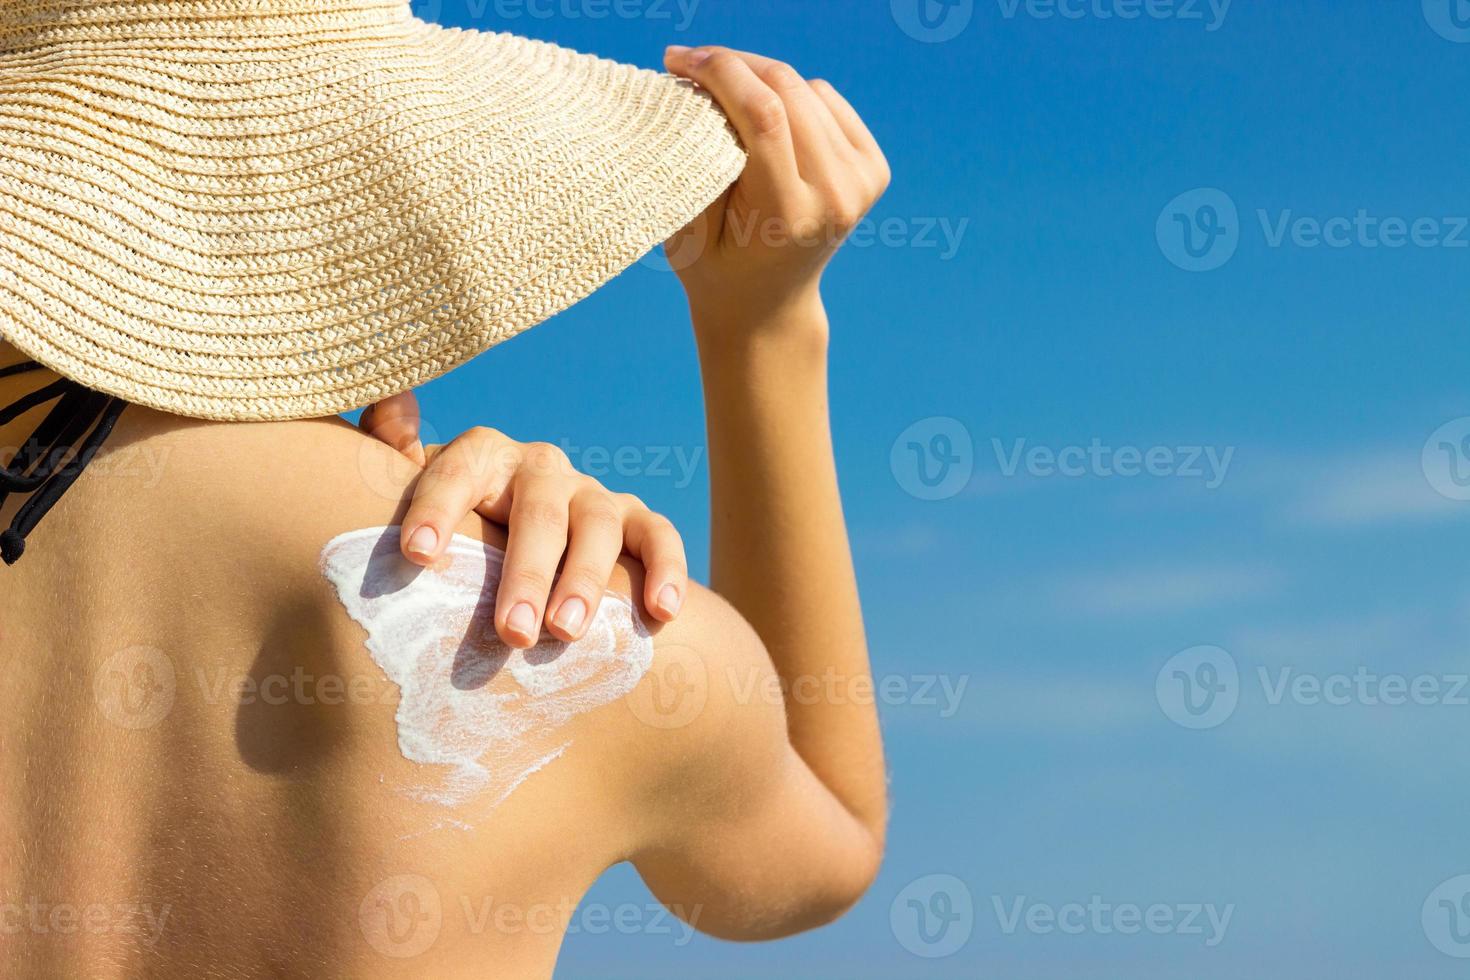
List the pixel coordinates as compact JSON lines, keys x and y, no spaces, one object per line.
{"x":738,"y":836}
{"x":728,"y":825}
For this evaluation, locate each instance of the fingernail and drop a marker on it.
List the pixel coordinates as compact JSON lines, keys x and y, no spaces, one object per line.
{"x":569,"y":617}
{"x":698,"y":58}
{"x":423,"y":541}
{"x":668,"y":600}
{"x":522,"y":620}
{"x":677,"y":48}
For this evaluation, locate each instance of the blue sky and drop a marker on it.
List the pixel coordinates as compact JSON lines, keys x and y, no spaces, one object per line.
{"x":1028,"y":289}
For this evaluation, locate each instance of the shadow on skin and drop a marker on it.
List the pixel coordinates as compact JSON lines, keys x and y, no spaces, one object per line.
{"x":288,"y":718}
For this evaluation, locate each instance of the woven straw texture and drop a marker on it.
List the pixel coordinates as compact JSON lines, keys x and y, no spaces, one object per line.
{"x":290,"y":208}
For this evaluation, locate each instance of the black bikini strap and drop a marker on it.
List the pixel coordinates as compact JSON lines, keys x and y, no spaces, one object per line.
{"x":24,"y":367}
{"x":48,"y":464}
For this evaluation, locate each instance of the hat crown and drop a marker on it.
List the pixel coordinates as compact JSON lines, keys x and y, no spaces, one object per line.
{"x":25,"y":22}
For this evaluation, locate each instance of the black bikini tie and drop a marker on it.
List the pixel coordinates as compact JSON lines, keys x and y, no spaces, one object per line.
{"x":42,"y":467}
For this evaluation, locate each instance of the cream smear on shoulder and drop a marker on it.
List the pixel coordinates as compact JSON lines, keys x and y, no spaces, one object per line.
{"x":484,"y":716}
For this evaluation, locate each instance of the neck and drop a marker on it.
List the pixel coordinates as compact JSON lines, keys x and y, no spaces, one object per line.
{"x":15,"y":385}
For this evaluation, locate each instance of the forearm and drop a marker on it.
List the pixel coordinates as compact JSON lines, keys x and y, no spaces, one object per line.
{"x":780,"y":551}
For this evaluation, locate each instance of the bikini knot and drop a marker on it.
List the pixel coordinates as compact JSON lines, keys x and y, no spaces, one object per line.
{"x":12,"y":546}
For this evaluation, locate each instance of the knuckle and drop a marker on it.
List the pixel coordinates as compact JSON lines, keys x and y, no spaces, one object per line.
{"x":721,"y":60}
{"x":451,"y":466}
{"x":767,"y":113}
{"x":543,"y":457}
{"x":661,"y":528}
{"x":630,"y":501}
{"x":588,"y":487}
{"x":846,"y":206}
{"x":781,"y":76}
{"x":541,"y":513}
{"x":601,"y":515}
{"x":583,"y":580}
{"x":882,"y":169}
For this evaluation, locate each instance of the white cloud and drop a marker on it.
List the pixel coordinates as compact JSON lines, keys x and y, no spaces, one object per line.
{"x":1163,"y":589}
{"x":911,"y":540}
{"x":1368,"y":488}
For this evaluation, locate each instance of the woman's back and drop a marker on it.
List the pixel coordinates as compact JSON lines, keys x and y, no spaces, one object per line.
{"x":204,"y":775}
{"x":234,"y":742}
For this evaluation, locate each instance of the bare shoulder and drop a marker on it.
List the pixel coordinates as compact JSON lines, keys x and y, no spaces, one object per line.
{"x":659,"y":707}
{"x":707,"y":713}
{"x":268,"y":494}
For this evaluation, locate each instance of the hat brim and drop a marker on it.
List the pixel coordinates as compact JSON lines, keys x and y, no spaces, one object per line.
{"x":299,"y":230}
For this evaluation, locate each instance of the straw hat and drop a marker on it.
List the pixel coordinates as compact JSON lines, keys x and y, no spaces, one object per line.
{"x":289,"y":208}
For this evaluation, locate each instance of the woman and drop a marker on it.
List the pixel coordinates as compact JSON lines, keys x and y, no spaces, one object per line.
{"x":241,"y":736}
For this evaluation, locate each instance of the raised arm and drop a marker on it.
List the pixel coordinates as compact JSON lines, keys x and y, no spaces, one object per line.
{"x":762,"y":811}
{"x":791,"y":833}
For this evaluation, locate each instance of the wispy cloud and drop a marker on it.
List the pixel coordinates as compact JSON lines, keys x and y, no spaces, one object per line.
{"x":911,"y":540}
{"x":1372,"y":486}
{"x":1163,"y":589}
{"x":1368,"y":488}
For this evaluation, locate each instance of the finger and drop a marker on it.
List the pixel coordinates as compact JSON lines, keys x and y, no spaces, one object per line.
{"x":813,"y":129}
{"x":596,"y":543}
{"x":537,"y":539}
{"x":395,"y":421}
{"x":654,"y":541}
{"x":757,"y":113}
{"x":847,"y":118}
{"x":469,"y":474}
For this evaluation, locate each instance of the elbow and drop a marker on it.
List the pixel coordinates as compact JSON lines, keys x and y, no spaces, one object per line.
{"x":853,"y":882}
{"x":839,"y":891}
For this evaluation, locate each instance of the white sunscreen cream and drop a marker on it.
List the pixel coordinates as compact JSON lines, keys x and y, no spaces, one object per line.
{"x":484,"y":715}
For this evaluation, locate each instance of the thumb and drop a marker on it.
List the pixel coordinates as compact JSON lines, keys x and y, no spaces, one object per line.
{"x":395,"y":421}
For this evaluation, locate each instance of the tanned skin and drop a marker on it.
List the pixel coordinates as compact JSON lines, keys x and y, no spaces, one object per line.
{"x":200,"y":759}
